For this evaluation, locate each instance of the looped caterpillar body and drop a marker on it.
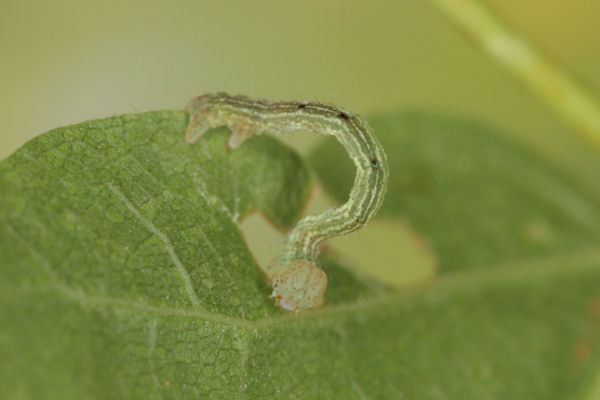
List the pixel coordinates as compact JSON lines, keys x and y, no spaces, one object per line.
{"x":298,"y":282}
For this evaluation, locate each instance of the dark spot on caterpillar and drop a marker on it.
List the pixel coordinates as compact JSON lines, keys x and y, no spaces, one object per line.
{"x":361,"y":221}
{"x":374,"y":163}
{"x":344,"y":116}
{"x":301,"y":106}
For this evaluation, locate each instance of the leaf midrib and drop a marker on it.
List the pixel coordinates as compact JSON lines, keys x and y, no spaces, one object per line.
{"x":580,"y":260}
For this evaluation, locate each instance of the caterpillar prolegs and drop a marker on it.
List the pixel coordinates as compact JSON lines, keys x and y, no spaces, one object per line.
{"x":298,"y":283}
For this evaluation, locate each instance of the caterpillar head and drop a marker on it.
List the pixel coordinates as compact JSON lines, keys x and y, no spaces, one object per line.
{"x":300,"y":285}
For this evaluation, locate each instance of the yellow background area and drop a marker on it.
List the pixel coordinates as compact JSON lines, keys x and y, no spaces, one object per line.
{"x":68,"y":61}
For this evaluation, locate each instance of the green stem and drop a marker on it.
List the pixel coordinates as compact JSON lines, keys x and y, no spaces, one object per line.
{"x":552,"y":85}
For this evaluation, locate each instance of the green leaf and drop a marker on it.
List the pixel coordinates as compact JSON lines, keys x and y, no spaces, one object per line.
{"x":123,"y":275}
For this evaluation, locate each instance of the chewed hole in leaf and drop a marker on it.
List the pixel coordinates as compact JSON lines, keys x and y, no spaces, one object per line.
{"x":378,"y":247}
{"x":262,"y":238}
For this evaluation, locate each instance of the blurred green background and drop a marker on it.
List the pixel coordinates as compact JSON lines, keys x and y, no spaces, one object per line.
{"x":66,"y":61}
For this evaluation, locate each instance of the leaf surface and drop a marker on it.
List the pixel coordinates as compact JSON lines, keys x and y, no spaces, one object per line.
{"x":123,"y":273}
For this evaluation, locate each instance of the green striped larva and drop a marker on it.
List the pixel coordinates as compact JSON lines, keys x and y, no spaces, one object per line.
{"x":298,"y":282}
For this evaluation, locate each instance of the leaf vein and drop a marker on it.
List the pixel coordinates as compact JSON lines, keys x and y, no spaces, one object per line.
{"x":189,"y":288}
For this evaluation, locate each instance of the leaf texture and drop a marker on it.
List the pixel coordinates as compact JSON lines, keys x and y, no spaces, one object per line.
{"x":123,"y":273}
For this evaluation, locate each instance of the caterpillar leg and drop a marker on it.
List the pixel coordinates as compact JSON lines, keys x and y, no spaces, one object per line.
{"x":201,"y":122}
{"x":240,"y":131}
{"x":197,"y":127}
{"x":300,"y":285}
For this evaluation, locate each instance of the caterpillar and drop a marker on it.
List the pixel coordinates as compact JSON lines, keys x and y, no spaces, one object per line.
{"x":298,"y":282}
